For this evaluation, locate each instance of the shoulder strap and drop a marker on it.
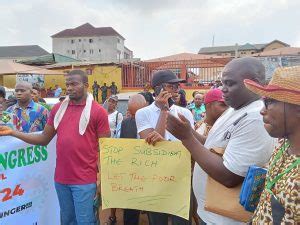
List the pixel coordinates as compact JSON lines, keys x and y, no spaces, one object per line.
{"x":117,"y":119}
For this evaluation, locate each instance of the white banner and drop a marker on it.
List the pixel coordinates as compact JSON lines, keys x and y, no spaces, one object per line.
{"x":27,"y":193}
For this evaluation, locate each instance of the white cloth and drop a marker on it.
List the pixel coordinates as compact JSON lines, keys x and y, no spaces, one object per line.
{"x":249,"y":144}
{"x":112,"y":121}
{"x":85,"y":115}
{"x":147,"y":117}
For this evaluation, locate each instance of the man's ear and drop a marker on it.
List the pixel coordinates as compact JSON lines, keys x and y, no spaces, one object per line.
{"x":86,"y":85}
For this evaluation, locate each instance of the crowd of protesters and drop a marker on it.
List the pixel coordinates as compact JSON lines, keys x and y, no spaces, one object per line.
{"x":238,"y":123}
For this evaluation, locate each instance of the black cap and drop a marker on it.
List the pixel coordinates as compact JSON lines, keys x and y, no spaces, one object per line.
{"x":165,"y":76}
{"x":2,"y":91}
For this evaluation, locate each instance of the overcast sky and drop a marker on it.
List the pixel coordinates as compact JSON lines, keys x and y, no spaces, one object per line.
{"x":155,"y":28}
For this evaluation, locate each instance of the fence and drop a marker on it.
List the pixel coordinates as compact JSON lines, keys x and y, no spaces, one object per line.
{"x":196,"y":72}
{"x":199,"y":72}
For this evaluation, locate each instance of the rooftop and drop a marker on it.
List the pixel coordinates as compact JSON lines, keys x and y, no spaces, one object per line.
{"x":48,"y":59}
{"x":231,"y":48}
{"x":286,"y":51}
{"x":182,"y":56}
{"x":87,"y":30}
{"x":21,"y":51}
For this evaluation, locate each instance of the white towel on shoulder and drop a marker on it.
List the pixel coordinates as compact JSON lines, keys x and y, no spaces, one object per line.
{"x":85,"y":115}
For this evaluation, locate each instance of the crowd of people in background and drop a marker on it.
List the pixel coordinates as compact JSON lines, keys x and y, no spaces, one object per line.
{"x":236,"y":124}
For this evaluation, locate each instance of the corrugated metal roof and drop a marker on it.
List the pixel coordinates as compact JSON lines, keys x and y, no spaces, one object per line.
{"x":48,"y":59}
{"x":21,"y":51}
{"x":232,"y":48}
{"x":182,"y":56}
{"x":87,"y":30}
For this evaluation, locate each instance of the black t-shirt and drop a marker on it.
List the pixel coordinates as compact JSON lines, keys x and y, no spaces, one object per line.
{"x":128,"y":128}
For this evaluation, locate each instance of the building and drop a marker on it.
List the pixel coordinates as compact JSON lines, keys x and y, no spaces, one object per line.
{"x":242,"y":50}
{"x":90,"y":43}
{"x":21,"y":52}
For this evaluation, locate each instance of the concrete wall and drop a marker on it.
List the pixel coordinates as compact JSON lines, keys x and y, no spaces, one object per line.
{"x":101,"y":74}
{"x":103,"y":48}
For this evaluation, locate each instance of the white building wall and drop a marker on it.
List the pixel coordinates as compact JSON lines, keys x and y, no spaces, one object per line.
{"x":100,"y":48}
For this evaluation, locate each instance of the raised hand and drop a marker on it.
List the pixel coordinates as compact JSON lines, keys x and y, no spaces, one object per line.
{"x":179,"y":127}
{"x":153,"y":138}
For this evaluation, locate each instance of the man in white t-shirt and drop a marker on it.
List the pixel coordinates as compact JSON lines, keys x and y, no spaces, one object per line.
{"x":114,"y":116}
{"x":151,"y":124}
{"x":240,"y":131}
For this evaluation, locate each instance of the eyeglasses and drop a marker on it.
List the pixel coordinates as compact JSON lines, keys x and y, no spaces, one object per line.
{"x":269,"y":101}
{"x":174,"y":86}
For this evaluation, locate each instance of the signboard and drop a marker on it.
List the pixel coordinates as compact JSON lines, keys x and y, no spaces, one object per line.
{"x":27,"y":193}
{"x":34,"y":79}
{"x":136,"y":175}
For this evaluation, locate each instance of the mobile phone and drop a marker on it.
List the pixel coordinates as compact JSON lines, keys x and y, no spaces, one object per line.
{"x":158,"y":89}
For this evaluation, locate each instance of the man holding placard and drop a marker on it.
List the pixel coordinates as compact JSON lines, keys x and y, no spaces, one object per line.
{"x":151,"y":124}
{"x":78,"y":122}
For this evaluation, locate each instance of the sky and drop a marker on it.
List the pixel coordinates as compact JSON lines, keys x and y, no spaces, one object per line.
{"x":154,"y":28}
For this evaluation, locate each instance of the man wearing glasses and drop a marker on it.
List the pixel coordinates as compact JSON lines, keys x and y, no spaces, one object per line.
{"x":151,"y":124}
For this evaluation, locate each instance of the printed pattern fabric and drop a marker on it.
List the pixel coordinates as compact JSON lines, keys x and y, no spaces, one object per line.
{"x":31,"y":119}
{"x":286,"y":190}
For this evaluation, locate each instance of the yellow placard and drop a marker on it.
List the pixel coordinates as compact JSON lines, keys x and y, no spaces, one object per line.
{"x":135,"y":175}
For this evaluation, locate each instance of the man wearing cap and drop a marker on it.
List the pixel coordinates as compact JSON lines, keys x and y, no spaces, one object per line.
{"x":114,"y":116}
{"x":279,"y":202}
{"x":239,"y":132}
{"x":151,"y":123}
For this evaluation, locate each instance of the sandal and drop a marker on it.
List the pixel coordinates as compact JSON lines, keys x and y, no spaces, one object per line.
{"x":111,"y":221}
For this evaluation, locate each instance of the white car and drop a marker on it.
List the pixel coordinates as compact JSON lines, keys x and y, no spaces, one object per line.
{"x":51,"y":101}
{"x":122,"y":101}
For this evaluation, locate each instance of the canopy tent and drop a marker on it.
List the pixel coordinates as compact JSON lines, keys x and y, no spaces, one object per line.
{"x":12,"y":68}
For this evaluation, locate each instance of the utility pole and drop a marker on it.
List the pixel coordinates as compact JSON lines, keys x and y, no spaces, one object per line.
{"x":213,"y":41}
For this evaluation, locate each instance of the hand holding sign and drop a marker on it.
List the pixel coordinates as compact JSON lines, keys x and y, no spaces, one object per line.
{"x":4,"y":131}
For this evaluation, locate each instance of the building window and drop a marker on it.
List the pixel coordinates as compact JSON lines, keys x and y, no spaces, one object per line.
{"x":99,"y":50}
{"x":84,"y":51}
{"x":79,"y":40}
{"x":68,"y":51}
{"x":73,"y":52}
{"x":91,"y":51}
{"x":91,"y":40}
{"x":118,"y":40}
{"x":72,"y":41}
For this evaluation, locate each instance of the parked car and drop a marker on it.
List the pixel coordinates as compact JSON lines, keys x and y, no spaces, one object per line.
{"x":51,"y":101}
{"x":122,"y":101}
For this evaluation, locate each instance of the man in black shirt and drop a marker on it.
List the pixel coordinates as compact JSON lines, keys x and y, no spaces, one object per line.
{"x":129,"y":130}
